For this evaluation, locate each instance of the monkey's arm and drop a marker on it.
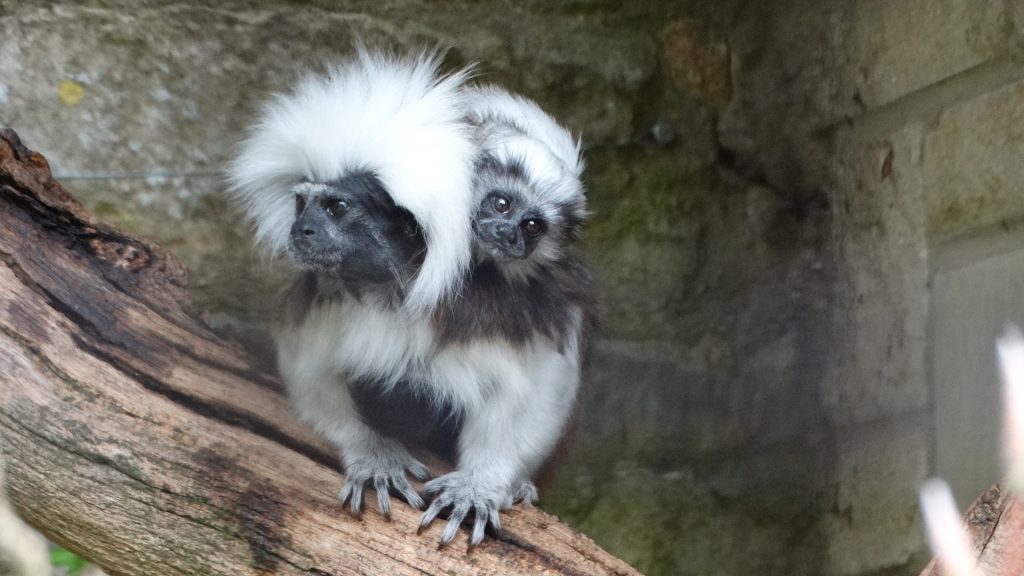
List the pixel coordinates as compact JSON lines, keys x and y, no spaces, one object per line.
{"x":323,"y":400}
{"x":505,"y":439}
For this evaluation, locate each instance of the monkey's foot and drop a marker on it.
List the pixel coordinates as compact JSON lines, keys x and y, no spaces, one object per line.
{"x":462,"y":492}
{"x":385,"y":472}
{"x":526,"y":493}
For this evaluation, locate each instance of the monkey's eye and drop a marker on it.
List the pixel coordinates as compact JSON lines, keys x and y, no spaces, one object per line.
{"x":300,"y":203}
{"x":533,"y":228}
{"x":336,"y":207}
{"x":501,"y":204}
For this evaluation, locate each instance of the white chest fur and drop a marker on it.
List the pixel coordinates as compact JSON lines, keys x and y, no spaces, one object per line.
{"x":353,"y":340}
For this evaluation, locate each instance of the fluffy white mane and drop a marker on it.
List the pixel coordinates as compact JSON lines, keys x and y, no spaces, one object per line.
{"x":491,"y":104}
{"x":515,"y":129}
{"x":394,"y":116}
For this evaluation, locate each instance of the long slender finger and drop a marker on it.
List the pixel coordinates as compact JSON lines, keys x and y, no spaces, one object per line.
{"x":479,"y":523}
{"x":493,"y":518}
{"x":356,"y":504}
{"x":346,"y":492}
{"x":434,"y":486}
{"x":380,"y":485}
{"x":528,"y":494}
{"x":435,"y":508}
{"x":454,"y":521}
{"x":405,"y":489}
{"x":418,"y":471}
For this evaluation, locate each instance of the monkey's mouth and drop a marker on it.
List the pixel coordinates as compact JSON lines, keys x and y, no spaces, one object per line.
{"x":498,"y":248}
{"x":501,"y":253}
{"x":353,"y":273}
{"x":311,"y":258}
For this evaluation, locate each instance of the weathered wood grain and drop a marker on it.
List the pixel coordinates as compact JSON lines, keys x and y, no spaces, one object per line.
{"x":995,"y":523}
{"x":139,"y":439}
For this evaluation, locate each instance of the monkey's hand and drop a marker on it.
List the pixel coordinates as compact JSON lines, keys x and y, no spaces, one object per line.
{"x":525,"y":492}
{"x":463,"y":491}
{"x":385,"y":470}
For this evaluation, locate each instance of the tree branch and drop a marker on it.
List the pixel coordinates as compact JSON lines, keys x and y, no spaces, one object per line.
{"x":995,"y":524}
{"x":139,"y":439}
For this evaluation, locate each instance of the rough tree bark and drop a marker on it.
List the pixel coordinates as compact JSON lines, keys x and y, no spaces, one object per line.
{"x":136,"y":437}
{"x":995,"y":522}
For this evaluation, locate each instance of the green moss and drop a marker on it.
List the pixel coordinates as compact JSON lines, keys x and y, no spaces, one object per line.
{"x":672,"y":525}
{"x":645,"y":195}
{"x":644,"y":287}
{"x":650,"y":209}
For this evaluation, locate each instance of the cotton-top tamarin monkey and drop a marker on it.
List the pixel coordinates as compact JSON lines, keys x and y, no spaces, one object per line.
{"x":362,"y":177}
{"x":365,"y":178}
{"x":526,"y":310}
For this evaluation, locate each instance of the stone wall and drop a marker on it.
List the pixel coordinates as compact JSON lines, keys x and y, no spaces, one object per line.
{"x":931,"y":163}
{"x":806,"y":231}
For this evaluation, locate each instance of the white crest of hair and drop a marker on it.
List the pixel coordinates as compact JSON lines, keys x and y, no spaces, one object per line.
{"x":394,"y":116}
{"x":515,"y":130}
{"x":497,"y":106}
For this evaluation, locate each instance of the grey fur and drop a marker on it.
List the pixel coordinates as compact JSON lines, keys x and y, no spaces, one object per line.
{"x":483,"y":340}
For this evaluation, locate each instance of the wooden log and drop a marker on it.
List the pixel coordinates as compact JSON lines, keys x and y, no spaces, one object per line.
{"x":137,"y":438}
{"x":995,"y":525}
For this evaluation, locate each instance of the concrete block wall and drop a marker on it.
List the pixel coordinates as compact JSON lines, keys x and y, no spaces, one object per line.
{"x":905,"y":118}
{"x":928,"y":205}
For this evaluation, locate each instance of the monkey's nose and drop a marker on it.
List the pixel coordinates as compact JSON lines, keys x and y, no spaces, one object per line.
{"x":506,"y":233}
{"x":303,"y":231}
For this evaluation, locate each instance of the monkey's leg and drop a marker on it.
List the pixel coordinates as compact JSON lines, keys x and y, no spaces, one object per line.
{"x":503,"y":441}
{"x":372,"y":459}
{"x":325,"y":402}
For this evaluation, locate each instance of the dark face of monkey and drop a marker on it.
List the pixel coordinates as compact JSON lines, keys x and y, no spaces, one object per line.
{"x":351,"y":230}
{"x":507,"y":227}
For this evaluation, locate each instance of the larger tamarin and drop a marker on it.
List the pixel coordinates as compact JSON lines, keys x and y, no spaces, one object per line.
{"x":364,"y":178}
